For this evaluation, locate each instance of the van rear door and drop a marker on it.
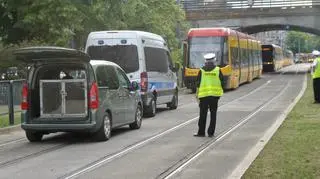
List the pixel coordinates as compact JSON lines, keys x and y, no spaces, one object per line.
{"x":34,"y":54}
{"x":59,"y":86}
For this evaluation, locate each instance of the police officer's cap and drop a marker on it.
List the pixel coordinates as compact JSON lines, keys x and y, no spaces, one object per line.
{"x":210,"y":57}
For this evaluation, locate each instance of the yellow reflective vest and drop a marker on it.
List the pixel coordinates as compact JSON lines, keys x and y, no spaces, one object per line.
{"x":316,"y":73}
{"x":210,"y":84}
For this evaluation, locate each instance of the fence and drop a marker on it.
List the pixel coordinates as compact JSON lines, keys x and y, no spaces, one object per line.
{"x":10,"y":98}
{"x":196,"y":5}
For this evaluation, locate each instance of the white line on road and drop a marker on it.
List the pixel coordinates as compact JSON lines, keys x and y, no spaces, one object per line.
{"x":222,"y":136}
{"x":12,"y":142}
{"x":119,"y":154}
{"x":131,"y":148}
{"x":254,"y":152}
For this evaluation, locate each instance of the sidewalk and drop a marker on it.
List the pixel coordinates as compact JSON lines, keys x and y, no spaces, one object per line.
{"x":9,"y":129}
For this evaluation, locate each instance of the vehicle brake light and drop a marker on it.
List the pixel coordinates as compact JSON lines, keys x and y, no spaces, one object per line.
{"x":144,"y":81}
{"x":93,"y":96}
{"x":24,"y":103}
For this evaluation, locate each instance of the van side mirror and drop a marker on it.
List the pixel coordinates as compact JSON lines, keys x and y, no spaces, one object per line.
{"x":134,"y":86}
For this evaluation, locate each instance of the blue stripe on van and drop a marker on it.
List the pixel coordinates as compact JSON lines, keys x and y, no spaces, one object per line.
{"x":161,"y":85}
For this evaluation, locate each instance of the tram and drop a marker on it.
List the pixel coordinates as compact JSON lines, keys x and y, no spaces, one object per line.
{"x":238,"y":55}
{"x":272,"y":57}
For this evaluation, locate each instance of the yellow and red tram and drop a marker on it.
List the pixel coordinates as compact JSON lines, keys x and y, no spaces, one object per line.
{"x":238,"y":55}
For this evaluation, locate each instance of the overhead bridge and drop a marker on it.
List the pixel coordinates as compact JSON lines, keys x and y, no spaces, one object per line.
{"x":255,"y":16}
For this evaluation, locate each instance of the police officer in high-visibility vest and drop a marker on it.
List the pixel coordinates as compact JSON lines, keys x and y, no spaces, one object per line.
{"x":209,"y":91}
{"x":316,"y":76}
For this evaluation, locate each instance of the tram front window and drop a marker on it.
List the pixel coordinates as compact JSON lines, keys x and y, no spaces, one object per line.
{"x":199,"y":46}
{"x":267,"y":56}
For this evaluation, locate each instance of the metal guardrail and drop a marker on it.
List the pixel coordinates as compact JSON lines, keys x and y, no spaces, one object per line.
{"x":10,"y":98}
{"x":198,"y":5}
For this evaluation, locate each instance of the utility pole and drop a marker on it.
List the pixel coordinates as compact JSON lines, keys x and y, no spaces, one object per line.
{"x":299,"y":45}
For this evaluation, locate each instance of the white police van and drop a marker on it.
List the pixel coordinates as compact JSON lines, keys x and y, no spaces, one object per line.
{"x":145,"y":57}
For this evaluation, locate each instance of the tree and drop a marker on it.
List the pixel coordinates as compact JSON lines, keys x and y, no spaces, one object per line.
{"x":60,"y":22}
{"x":302,"y":42}
{"x":10,"y":32}
{"x":52,"y":21}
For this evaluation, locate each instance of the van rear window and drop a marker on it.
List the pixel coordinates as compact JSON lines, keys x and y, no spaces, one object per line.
{"x":126,"y":56}
{"x":62,"y":71}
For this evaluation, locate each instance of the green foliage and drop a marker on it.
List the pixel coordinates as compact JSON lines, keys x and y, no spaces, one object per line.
{"x":293,"y":151}
{"x":303,"y":42}
{"x":176,"y":55}
{"x":58,"y":22}
{"x":7,"y":59}
{"x":52,"y":21}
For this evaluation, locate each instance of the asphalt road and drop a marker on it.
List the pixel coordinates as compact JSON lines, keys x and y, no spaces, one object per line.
{"x":164,"y":146}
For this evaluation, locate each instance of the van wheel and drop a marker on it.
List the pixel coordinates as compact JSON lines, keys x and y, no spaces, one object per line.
{"x":151,"y":109}
{"x":138,"y":119}
{"x":104,"y":133}
{"x":174,"y":103}
{"x":34,"y":136}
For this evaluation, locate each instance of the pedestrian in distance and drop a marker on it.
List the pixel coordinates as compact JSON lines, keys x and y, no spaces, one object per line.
{"x":315,"y":71}
{"x":209,"y":91}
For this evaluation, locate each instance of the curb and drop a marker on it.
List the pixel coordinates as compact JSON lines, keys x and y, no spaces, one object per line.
{"x":10,"y":129}
{"x":254,"y":152}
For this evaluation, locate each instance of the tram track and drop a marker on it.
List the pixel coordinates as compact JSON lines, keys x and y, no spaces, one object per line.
{"x":12,"y":142}
{"x":179,"y":166}
{"x":112,"y":156}
{"x":131,"y":147}
{"x":109,"y":158}
{"x":51,"y":140}
{"x":34,"y":154}
{"x":188,"y":159}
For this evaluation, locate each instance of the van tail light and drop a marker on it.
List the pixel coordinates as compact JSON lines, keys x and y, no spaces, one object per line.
{"x":93,"y":96}
{"x":144,"y":81}
{"x":24,"y":103}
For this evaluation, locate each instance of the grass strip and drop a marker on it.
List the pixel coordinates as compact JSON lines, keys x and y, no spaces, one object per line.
{"x":294,"y":150}
{"x":4,"y":119}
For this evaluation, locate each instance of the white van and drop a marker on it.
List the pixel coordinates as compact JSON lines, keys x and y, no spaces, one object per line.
{"x":145,"y":58}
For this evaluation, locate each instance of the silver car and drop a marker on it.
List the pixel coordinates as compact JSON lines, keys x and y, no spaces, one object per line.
{"x":65,"y":91}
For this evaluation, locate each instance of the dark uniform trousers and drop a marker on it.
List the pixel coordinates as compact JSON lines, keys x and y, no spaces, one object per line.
{"x":206,"y":103}
{"x":316,"y":89}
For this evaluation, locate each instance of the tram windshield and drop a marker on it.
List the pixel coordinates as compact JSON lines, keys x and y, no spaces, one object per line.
{"x":267,"y":55}
{"x":199,"y":46}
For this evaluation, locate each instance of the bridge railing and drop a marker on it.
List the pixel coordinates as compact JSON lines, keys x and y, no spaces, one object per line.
{"x":195,"y":5}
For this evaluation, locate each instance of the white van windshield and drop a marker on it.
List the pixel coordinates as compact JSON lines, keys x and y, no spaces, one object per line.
{"x":126,"y":56}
